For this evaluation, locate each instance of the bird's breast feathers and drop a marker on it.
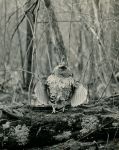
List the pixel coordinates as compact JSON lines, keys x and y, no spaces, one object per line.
{"x":54,"y":81}
{"x":59,"y":88}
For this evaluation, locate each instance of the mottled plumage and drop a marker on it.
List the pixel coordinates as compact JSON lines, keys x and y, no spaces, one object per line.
{"x":60,"y":86}
{"x":60,"y":90}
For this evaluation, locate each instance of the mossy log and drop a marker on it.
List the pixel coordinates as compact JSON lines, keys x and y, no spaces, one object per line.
{"x":26,"y":126}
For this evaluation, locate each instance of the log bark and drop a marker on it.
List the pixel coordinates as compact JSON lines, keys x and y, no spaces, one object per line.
{"x":87,"y":126}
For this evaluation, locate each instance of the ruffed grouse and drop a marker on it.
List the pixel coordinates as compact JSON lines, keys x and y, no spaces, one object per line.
{"x":60,"y":87}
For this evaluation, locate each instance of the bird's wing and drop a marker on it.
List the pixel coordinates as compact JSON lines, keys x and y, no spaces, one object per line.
{"x":80,"y":96}
{"x":41,"y":94}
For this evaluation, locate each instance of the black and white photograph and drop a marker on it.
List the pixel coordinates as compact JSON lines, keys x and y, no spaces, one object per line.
{"x":59,"y":74}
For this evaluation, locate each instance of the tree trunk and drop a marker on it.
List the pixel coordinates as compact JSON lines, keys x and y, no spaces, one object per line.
{"x":61,"y":50}
{"x":20,"y":43}
{"x":29,"y":44}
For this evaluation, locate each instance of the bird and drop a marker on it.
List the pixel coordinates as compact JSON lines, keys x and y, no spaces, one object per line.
{"x":60,"y":86}
{"x":60,"y":89}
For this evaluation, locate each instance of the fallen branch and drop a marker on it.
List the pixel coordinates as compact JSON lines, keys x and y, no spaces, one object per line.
{"x":40,"y":128}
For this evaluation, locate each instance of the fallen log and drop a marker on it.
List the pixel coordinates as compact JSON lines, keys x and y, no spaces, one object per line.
{"x":38,"y":127}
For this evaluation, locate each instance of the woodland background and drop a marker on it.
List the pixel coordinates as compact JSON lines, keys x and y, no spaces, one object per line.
{"x":35,"y":35}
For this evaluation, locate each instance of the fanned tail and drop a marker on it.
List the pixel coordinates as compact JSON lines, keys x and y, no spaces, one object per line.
{"x":40,"y":94}
{"x":80,"y":96}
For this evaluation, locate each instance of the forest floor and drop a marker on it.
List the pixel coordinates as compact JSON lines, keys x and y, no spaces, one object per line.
{"x":90,"y":126}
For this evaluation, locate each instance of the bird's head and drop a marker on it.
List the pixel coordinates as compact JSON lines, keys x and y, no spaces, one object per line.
{"x":62,"y":66}
{"x":62,"y":70}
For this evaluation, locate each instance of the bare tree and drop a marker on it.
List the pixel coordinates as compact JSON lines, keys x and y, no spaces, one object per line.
{"x":61,"y":50}
{"x":30,"y":18}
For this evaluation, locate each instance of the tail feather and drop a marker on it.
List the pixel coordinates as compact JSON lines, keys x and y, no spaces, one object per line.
{"x":41,"y":94}
{"x":80,"y":96}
